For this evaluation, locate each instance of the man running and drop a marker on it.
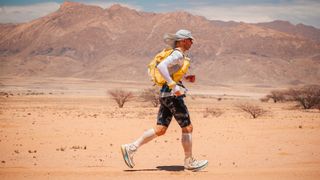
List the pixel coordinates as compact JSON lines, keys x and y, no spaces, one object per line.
{"x":171,"y":104}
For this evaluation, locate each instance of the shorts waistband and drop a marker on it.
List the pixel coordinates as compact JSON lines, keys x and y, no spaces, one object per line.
{"x":166,"y":94}
{"x":169,"y":94}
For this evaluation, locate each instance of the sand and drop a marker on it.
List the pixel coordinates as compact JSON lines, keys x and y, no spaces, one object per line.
{"x":78,"y":136}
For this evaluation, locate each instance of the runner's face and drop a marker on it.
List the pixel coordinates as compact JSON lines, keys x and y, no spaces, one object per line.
{"x":188,"y":43}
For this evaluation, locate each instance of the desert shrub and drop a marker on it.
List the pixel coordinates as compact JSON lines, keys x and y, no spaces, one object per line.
{"x":308,"y":97}
{"x":151,"y":95}
{"x":254,"y":110}
{"x":121,"y":96}
{"x":276,"y":96}
{"x":264,"y":99}
{"x":211,"y":111}
{"x":4,"y":94}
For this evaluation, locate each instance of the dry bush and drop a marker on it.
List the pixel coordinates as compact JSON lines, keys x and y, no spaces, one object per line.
{"x":276,"y":96}
{"x":121,"y":96}
{"x":151,"y":95}
{"x":254,"y":110}
{"x":307,"y":97}
{"x":6,"y":94}
{"x":211,"y":111}
{"x":264,"y":99}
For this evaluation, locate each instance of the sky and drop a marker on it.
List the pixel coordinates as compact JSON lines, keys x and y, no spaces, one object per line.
{"x":250,"y":11}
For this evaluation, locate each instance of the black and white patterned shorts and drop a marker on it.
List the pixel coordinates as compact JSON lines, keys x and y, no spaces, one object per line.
{"x":173,"y":106}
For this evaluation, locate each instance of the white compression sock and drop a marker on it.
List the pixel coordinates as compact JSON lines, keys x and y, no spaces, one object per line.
{"x":186,"y":141}
{"x":147,"y":136}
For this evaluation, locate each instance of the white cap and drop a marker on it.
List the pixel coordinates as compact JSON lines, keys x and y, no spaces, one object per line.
{"x":182,"y":34}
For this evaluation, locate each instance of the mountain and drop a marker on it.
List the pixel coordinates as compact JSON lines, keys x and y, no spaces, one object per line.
{"x":117,"y":43}
{"x":302,"y":30}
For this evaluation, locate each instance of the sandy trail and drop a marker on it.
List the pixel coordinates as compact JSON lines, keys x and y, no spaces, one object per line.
{"x":79,"y":137}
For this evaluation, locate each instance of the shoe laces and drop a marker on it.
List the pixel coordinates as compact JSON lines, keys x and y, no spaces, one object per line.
{"x":193,"y":161}
{"x":132,"y":148}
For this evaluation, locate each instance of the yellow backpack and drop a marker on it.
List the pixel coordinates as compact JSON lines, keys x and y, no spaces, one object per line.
{"x":154,"y":73}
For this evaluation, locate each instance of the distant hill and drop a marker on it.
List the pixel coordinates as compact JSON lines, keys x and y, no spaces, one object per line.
{"x":117,"y":43}
{"x":302,"y":30}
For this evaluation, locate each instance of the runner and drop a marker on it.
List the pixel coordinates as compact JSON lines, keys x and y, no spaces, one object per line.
{"x":171,"y":104}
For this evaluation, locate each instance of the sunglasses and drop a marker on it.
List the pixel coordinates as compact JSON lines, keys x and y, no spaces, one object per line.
{"x":190,"y":39}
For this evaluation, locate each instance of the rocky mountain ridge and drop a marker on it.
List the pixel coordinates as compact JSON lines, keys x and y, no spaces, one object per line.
{"x":117,"y":43}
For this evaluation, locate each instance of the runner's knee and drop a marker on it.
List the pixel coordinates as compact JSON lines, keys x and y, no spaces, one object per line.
{"x":187,"y":129}
{"x":160,"y":130}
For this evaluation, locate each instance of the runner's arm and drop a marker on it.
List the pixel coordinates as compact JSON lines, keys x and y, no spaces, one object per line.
{"x":163,"y":65}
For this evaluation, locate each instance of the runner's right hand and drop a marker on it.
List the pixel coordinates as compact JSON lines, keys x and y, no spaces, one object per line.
{"x":190,"y":78}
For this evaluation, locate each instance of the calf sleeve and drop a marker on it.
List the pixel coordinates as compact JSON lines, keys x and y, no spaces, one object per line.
{"x":186,"y":141}
{"x":147,"y":136}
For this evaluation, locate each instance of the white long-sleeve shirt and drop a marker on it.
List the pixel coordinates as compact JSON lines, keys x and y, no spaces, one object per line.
{"x":170,"y":65}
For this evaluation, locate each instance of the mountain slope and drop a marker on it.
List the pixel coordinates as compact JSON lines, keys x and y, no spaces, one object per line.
{"x":117,"y":43}
{"x":302,"y":30}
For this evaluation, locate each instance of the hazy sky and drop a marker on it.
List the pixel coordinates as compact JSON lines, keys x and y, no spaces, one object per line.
{"x":295,"y":11}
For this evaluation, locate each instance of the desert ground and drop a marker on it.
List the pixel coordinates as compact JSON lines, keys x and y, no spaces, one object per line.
{"x":72,"y":129}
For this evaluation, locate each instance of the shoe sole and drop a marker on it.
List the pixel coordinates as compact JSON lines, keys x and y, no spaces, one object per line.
{"x":125,"y":156}
{"x":199,"y":168}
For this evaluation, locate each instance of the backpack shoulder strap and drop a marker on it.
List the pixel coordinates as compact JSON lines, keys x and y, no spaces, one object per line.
{"x":177,"y":49}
